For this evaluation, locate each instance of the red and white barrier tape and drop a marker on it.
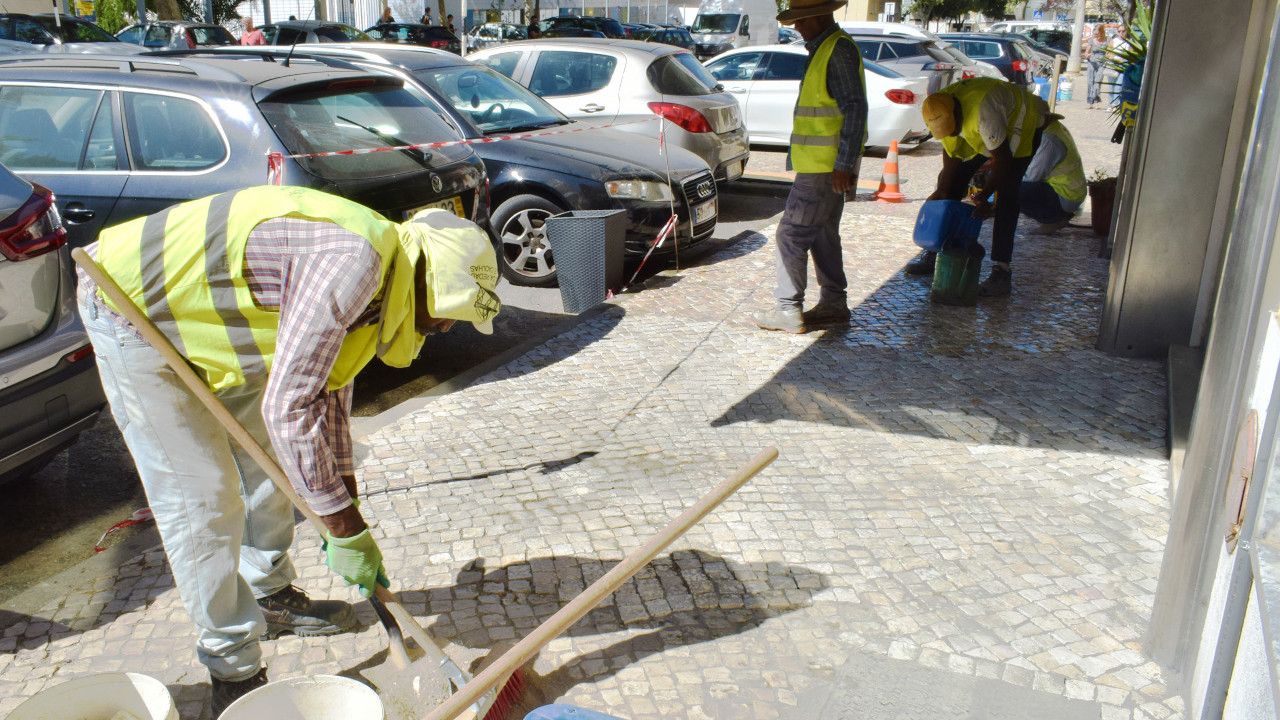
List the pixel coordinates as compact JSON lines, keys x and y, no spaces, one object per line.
{"x":275,"y":160}
{"x":139,"y":516}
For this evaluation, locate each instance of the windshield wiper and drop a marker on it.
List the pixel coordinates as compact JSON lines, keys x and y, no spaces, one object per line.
{"x":419,"y":156}
{"x":526,"y":127}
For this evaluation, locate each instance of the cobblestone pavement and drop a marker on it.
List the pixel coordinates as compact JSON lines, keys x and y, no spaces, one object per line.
{"x":966,"y":519}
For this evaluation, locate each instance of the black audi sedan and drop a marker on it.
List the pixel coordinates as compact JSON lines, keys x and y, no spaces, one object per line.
{"x":567,"y":167}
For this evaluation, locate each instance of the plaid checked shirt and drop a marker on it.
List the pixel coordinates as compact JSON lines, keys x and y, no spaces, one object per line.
{"x":321,"y":279}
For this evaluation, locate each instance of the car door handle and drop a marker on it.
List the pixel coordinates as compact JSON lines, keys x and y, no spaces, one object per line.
{"x":591,"y":108}
{"x":78,"y":213}
{"x":738,"y":90}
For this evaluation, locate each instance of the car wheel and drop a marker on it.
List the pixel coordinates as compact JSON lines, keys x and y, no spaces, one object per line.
{"x":519,"y":225}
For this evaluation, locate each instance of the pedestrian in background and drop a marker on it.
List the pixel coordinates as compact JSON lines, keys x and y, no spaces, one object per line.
{"x":448,"y":23}
{"x":277,"y":296}
{"x":250,"y":36}
{"x":386,"y":15}
{"x":1115,"y":47}
{"x":426,"y":17}
{"x":1096,"y":52}
{"x":829,"y":128}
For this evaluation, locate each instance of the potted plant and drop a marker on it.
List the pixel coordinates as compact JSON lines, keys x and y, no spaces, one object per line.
{"x":1102,"y":197}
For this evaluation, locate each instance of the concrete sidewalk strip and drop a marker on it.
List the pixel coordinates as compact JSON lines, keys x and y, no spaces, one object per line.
{"x":969,"y":509}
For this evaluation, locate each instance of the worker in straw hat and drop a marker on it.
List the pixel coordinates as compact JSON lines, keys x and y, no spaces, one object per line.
{"x":829,"y":127}
{"x":277,"y":296}
{"x":976,"y":120}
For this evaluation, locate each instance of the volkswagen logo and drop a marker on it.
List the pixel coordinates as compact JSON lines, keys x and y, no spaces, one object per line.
{"x":704,"y":189}
{"x":436,"y":184}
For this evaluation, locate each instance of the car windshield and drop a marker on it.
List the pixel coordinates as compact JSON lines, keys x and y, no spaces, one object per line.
{"x":715,"y":23}
{"x":317,"y":120}
{"x":340,"y":33}
{"x":493,"y":103}
{"x":680,"y":74}
{"x":74,"y":30}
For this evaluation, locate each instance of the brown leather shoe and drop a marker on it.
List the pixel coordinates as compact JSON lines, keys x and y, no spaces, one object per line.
{"x":290,"y":610}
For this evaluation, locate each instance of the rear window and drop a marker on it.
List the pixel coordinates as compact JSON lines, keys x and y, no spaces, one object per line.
{"x":328,"y":120}
{"x":339,"y":34}
{"x":906,"y":49}
{"x":881,"y":70}
{"x":76,"y":31}
{"x":982,"y":50}
{"x":211,"y":36}
{"x":680,"y":74}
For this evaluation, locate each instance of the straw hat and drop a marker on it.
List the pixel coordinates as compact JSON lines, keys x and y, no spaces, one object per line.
{"x":809,"y":8}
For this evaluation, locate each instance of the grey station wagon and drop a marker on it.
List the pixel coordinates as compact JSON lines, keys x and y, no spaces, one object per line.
{"x":120,"y":137}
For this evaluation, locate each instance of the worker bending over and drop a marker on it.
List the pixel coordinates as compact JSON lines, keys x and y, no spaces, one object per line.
{"x":977,"y":119}
{"x":277,"y":296}
{"x":1053,"y":188}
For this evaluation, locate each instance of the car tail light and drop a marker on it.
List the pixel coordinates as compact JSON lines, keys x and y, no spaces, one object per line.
{"x":35,"y":229}
{"x":352,"y":83}
{"x":440,"y":44}
{"x":968,"y":74}
{"x":1020,"y":66}
{"x":901,"y":97}
{"x":79,"y":355}
{"x":682,"y":115}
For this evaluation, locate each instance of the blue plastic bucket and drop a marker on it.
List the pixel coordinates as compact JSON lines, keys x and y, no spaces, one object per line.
{"x":944,"y":224}
{"x":1042,"y":88}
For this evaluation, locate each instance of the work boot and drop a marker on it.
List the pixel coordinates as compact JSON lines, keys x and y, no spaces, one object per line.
{"x":290,"y":610}
{"x":226,"y":692}
{"x":922,"y":264}
{"x":826,"y":313}
{"x":785,"y":320}
{"x":997,"y":284}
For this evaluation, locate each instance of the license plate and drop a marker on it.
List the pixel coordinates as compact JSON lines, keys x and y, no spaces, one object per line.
{"x":704,"y":212}
{"x":453,"y":205}
{"x":733,"y":170}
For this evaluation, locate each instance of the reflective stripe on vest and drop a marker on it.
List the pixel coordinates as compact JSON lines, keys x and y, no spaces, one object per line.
{"x":1067,"y":177}
{"x":184,"y":267}
{"x":1024,"y":118}
{"x":817,"y":119}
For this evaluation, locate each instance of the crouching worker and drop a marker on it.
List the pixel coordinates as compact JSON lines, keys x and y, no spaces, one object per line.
{"x":277,"y":296}
{"x":977,"y":119}
{"x":1054,"y":187}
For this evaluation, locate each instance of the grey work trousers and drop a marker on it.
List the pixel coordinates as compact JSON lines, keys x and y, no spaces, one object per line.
{"x":810,"y":226}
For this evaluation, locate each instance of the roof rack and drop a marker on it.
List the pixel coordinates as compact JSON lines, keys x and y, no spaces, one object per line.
{"x":124,"y":64}
{"x":281,"y":54}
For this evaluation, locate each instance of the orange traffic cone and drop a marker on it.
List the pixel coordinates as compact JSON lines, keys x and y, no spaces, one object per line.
{"x":889,"y":191}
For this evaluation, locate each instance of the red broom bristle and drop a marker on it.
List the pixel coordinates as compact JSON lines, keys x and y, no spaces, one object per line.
{"x":509,"y":698}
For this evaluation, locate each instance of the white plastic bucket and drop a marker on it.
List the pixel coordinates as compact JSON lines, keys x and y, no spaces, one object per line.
{"x":318,"y":697}
{"x":100,"y":697}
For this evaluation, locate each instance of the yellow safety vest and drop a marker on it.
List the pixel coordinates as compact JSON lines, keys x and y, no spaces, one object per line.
{"x":184,"y":268}
{"x":1024,"y":118}
{"x":1067,"y":177}
{"x":816,"y":121}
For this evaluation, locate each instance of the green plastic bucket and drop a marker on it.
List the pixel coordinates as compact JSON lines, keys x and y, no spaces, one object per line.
{"x":955,"y":276}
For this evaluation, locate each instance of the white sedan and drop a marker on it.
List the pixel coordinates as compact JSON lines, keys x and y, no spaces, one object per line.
{"x":766,"y":81}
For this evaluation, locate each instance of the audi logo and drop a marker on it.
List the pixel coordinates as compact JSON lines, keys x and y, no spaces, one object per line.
{"x":704,"y":189}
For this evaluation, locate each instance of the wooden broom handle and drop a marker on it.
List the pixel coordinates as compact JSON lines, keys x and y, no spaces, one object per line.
{"x":549,"y":630}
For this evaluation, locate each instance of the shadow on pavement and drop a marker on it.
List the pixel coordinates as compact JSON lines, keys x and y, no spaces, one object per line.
{"x":1017,"y":370}
{"x":682,"y":598}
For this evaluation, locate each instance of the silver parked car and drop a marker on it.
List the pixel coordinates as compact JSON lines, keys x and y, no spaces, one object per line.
{"x":49,"y":388}
{"x":610,"y":81}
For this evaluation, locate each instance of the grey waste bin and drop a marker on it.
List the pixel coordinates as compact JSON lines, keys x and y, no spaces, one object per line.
{"x":587,"y":247}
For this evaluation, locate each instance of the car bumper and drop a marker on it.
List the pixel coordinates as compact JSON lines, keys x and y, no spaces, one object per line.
{"x":47,"y":412}
{"x":719,"y":150}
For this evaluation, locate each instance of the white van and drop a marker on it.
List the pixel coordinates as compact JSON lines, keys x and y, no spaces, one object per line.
{"x":722,"y":25}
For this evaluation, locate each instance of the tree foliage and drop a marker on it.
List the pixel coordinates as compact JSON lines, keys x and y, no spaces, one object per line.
{"x":929,"y":10}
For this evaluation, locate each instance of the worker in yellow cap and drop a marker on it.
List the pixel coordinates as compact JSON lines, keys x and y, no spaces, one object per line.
{"x":976,"y":120}
{"x":277,"y":297}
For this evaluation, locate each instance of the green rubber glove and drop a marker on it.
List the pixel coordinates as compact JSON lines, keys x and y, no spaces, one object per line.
{"x":357,"y":559}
